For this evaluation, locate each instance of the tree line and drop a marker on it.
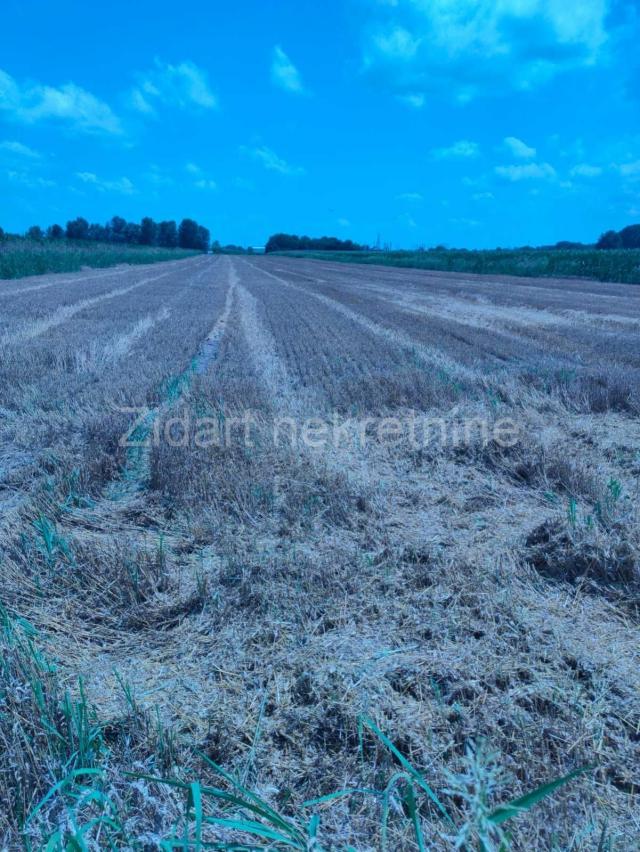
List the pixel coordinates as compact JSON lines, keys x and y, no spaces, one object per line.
{"x":292,"y":242}
{"x":628,"y":237}
{"x":188,"y":234}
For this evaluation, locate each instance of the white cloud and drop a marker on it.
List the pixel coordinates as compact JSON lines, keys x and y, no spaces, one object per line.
{"x":344,"y":223}
{"x":184,"y":86}
{"x":413,"y":99}
{"x":396,"y":43}
{"x":138,"y":102}
{"x":519,"y":148}
{"x":206,"y":183}
{"x":409,"y":196}
{"x":483,"y":196}
{"x":585,"y":170}
{"x":29,"y":180}
{"x":629,"y":169}
{"x":530,"y":171}
{"x":271,"y":161}
{"x":284,"y":73}
{"x":32,"y":102}
{"x":463,"y":48}
{"x":122,"y":185}
{"x":408,"y":220}
{"x":156,"y":176}
{"x":201,"y":181}
{"x":463,"y":149}
{"x":19,"y":149}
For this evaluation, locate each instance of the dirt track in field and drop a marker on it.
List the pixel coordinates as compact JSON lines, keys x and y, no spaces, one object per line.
{"x":452,"y":587}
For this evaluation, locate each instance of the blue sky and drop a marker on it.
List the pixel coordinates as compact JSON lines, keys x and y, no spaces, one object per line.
{"x":464,"y":122}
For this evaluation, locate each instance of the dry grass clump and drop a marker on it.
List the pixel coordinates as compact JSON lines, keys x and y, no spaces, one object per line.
{"x":552,"y":468}
{"x":277,"y":484}
{"x":103,"y":580}
{"x":594,"y":390}
{"x":597,"y":543}
{"x":591,"y":555}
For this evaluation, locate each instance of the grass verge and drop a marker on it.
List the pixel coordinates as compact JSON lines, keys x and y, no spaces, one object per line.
{"x":621,"y":265}
{"x":19,"y":258}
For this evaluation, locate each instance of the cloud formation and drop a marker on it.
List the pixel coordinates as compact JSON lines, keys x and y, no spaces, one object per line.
{"x":461,"y":150}
{"x":272,"y":162}
{"x":586,"y":170}
{"x":182,"y":86}
{"x":629,"y":169}
{"x":68,"y":104}
{"x":413,"y":99}
{"x":122,"y":186}
{"x":29,"y":180}
{"x":518,"y":148}
{"x":528,"y":171}
{"x":284,"y":73}
{"x":201,"y":181}
{"x":18,"y":148}
{"x":466,"y":48}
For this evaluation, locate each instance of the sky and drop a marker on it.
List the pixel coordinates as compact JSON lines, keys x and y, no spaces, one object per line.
{"x":471,"y":123}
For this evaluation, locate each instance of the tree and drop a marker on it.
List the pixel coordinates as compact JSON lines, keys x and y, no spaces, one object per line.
{"x":188,"y":236}
{"x":78,"y":229}
{"x":148,"y":232}
{"x":609,"y":240}
{"x":35,"y":233}
{"x":132,"y":232}
{"x":292,"y":242}
{"x":630,"y":236}
{"x":203,"y":239}
{"x":97,"y":233}
{"x":168,"y":234}
{"x":1,"y":233}
{"x":116,"y":230}
{"x":55,"y":232}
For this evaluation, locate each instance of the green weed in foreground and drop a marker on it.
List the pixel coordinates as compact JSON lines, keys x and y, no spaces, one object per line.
{"x":22,"y":257}
{"x":48,"y":736}
{"x":621,"y":265}
{"x":231,"y":817}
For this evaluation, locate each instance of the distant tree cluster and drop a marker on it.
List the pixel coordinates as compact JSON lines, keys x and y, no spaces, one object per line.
{"x":292,"y":242}
{"x":188,"y":234}
{"x":628,"y":237}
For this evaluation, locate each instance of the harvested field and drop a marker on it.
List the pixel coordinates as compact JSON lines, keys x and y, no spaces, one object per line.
{"x":357,"y":502}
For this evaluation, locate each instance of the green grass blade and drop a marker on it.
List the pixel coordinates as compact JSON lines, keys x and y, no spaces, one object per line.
{"x":58,"y":787}
{"x":340,"y":794}
{"x":258,"y":807}
{"x":504,"y":812}
{"x":195,"y":796}
{"x":412,"y":807}
{"x":255,"y":803}
{"x":256,"y":828}
{"x":409,"y":768}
